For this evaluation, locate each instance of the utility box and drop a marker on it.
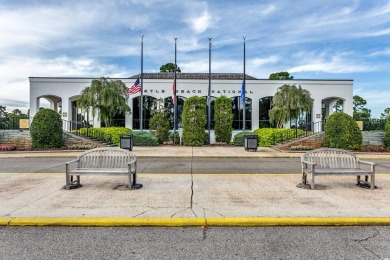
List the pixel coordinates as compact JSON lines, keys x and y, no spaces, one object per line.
{"x":126,"y":142}
{"x":251,"y":142}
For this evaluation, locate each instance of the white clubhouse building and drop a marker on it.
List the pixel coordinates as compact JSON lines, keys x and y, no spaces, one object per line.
{"x":63,"y":92}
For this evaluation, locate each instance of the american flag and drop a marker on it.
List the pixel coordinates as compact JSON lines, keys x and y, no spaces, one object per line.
{"x":135,"y":88}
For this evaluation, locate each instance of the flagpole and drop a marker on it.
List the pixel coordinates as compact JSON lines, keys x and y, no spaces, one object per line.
{"x":209,"y":95}
{"x":243,"y":112}
{"x":142,"y":83}
{"x":174,"y":98}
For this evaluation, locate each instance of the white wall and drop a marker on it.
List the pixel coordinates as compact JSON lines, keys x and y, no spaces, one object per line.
{"x":69,"y":88}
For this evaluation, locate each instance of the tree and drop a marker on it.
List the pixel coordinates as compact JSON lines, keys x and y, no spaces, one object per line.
{"x":105,"y":97}
{"x":287,"y":104}
{"x":283,"y":75}
{"x":386,"y":113}
{"x":359,"y":111}
{"x":339,"y":106}
{"x":3,"y":112}
{"x":169,"y":67}
{"x":159,"y":123}
{"x":16,"y":112}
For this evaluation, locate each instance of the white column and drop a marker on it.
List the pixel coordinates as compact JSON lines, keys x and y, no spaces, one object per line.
{"x":129,"y":116}
{"x":255,"y":114}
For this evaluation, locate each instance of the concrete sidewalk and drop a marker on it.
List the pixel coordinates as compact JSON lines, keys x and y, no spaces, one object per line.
{"x":185,"y":151}
{"x":191,"y":199}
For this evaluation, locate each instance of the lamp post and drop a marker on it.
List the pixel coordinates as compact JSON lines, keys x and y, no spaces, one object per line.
{"x":209,"y":95}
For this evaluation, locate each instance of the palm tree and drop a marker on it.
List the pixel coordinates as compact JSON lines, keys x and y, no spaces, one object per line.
{"x":288,"y":103}
{"x":107,"y":98}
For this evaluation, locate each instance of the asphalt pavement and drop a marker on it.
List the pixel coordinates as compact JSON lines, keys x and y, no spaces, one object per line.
{"x":188,"y":199}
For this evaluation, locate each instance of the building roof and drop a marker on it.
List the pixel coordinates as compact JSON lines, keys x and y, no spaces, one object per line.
{"x":170,"y":75}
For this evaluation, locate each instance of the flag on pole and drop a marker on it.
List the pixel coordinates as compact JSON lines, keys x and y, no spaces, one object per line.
{"x":173,"y":92}
{"x":243,"y":92}
{"x":135,"y":88}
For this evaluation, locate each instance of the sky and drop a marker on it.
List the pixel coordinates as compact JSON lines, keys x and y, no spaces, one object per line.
{"x":322,"y":39}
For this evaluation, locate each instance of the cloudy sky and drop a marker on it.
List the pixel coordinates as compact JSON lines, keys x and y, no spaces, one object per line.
{"x":322,"y":39}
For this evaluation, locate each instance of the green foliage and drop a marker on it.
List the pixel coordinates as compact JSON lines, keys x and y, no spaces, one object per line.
{"x":105,"y":132}
{"x":46,"y":129}
{"x":194,"y":121}
{"x":239,"y":138}
{"x":283,"y":75}
{"x":159,"y":123}
{"x":223,"y":118}
{"x":387,"y":133}
{"x":174,"y":137}
{"x":169,"y":67}
{"x":270,"y":136}
{"x":106,"y":97}
{"x":339,"y":106}
{"x":386,"y":113}
{"x":342,"y":131}
{"x":288,"y":102}
{"x":144,"y":138}
{"x":360,"y":113}
{"x":206,"y":140}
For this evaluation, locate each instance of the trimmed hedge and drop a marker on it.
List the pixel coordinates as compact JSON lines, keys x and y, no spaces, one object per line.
{"x":239,"y":138}
{"x":270,"y":136}
{"x":144,"y":138}
{"x":223,"y":119}
{"x":194,"y":121}
{"x":176,"y":139}
{"x":342,"y":131}
{"x":46,"y":129}
{"x":115,"y":132}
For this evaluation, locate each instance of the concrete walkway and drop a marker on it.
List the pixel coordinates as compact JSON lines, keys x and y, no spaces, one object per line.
{"x":187,"y":199}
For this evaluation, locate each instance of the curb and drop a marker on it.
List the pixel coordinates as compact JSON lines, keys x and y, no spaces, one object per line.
{"x":203,"y":222}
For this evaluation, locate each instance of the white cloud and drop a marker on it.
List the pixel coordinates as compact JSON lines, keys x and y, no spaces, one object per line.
{"x":14,"y":88}
{"x":385,"y":52}
{"x":201,"y":23}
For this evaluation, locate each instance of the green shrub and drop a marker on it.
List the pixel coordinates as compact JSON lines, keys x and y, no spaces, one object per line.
{"x":270,"y":136}
{"x":159,"y":123}
{"x":105,"y":132}
{"x":144,"y":138}
{"x":342,"y":131}
{"x":387,"y":133}
{"x":206,"y":138}
{"x":239,"y":138}
{"x":223,"y":119}
{"x":176,"y":140}
{"x":46,"y":129}
{"x":194,"y":121}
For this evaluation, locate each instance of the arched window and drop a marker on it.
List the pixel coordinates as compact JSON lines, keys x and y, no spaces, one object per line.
{"x":264,"y":107}
{"x":170,"y":107}
{"x":148,"y":106}
{"x":237,"y":110}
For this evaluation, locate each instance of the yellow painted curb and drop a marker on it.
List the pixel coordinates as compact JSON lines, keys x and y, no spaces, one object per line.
{"x":297,"y":221}
{"x":5,"y":221}
{"x":181,"y":222}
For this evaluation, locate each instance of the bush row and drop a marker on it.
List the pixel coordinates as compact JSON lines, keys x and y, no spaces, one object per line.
{"x":270,"y":136}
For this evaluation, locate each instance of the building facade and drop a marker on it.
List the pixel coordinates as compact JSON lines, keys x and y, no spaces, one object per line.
{"x":62,"y":93}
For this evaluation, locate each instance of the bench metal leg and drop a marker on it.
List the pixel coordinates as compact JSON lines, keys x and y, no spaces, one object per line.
{"x":372,"y":181}
{"x":312,"y":185}
{"x":304,"y":177}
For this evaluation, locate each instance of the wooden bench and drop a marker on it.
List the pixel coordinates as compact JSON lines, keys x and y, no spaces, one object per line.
{"x":103,"y":161}
{"x":328,"y":161}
